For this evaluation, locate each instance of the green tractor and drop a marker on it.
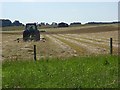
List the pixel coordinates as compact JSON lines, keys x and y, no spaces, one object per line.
{"x":31,"y":32}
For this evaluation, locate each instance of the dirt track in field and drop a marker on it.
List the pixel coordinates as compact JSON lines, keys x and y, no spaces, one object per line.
{"x":61,"y":44}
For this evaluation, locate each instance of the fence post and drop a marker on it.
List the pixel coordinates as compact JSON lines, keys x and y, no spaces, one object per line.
{"x":35,"y":52}
{"x":111,"y":47}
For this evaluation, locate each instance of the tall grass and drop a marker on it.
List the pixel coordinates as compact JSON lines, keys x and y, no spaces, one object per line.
{"x":76,"y":72}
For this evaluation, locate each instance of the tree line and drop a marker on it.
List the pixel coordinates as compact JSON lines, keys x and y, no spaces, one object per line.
{"x":103,"y":22}
{"x":7,"y":22}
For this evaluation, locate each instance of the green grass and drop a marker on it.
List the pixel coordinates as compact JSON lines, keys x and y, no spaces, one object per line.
{"x":76,"y":72}
{"x":0,"y":75}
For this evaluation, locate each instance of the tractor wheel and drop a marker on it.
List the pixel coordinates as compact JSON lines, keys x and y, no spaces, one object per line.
{"x":26,"y":35}
{"x":37,"y":35}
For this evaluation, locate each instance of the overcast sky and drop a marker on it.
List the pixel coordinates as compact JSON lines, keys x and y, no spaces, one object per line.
{"x":60,"y":11}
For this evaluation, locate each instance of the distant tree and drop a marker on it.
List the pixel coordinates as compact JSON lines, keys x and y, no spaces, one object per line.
{"x":39,"y":25}
{"x":102,"y":22}
{"x":42,"y":24}
{"x":54,"y":24}
{"x":75,"y":23}
{"x":62,"y":24}
{"x":47,"y":24}
{"x":5,"y":22}
{"x":17,"y":23}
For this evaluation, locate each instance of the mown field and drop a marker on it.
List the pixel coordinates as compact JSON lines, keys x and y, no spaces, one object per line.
{"x":62,"y":42}
{"x":75,"y":57}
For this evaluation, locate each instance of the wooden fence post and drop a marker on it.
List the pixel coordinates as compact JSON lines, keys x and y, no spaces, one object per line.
{"x":35,"y":52}
{"x":111,"y":47}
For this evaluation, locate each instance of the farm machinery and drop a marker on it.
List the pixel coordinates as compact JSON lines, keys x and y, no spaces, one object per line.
{"x":31,"y":32}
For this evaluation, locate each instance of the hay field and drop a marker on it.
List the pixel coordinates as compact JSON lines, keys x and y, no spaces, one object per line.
{"x":61,"y":42}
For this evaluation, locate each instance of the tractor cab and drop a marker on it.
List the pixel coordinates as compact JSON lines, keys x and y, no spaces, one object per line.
{"x":31,"y":32}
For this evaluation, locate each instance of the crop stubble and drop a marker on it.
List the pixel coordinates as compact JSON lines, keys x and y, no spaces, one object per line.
{"x":59,"y":45}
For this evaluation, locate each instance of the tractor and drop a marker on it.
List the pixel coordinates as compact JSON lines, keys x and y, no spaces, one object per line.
{"x":31,"y":32}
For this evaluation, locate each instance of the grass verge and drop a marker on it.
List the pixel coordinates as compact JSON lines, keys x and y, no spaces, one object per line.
{"x":76,"y":72}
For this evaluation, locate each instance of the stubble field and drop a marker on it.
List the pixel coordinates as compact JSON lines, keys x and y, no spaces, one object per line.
{"x":73,"y":57}
{"x":61,"y":42}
